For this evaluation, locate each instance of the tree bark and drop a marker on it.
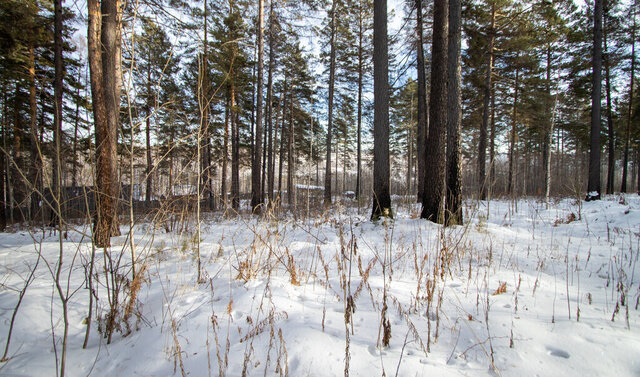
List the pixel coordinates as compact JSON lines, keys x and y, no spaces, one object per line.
{"x":35,"y":170}
{"x":611,"y":162}
{"x":57,"y":106}
{"x":256,"y":191}
{"x":422,"y":101}
{"x":148,"y":106}
{"x":3,"y":167}
{"x":482,"y":152}
{"x":593,"y":185}
{"x":225,"y":157}
{"x":103,"y":36}
{"x":434,"y":175}
{"x":548,"y":132}
{"x":453,"y":201}
{"x":359,"y":120}
{"x":627,"y":135}
{"x":235,"y":151}
{"x":290,"y":157}
{"x":492,"y":144}
{"x":205,"y":180}
{"x":511,"y":184}
{"x":332,"y":73}
{"x":270,"y":172}
{"x":381,"y":192}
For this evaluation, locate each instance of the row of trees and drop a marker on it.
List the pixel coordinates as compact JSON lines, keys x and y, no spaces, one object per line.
{"x":219,"y":99}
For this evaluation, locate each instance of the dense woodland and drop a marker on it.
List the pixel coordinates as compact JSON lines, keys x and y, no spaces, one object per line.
{"x":110,"y":108}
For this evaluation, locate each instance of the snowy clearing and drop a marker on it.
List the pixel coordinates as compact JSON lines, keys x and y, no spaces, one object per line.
{"x":523,"y":293}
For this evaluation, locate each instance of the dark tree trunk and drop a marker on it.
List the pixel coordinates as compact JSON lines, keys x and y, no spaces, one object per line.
{"x":256,"y":165}
{"x":625,"y":161}
{"x":277,"y":148}
{"x":511,"y":184}
{"x":548,"y":132}
{"x":290,"y":156}
{"x":235,"y":138}
{"x":359,"y":120}
{"x":422,"y":100}
{"x":593,"y":186}
{"x":57,"y":107}
{"x":611,"y":162}
{"x":332,"y":73}
{"x":76,"y":126}
{"x":282,"y":139}
{"x":3,"y":167}
{"x":235,"y":152}
{"x":205,"y":180}
{"x":482,"y":152}
{"x":492,"y":144}
{"x":434,"y":175}
{"x":225,"y":156}
{"x":410,"y":137}
{"x":263,"y":176}
{"x":149,"y":175}
{"x":381,"y":192}
{"x":269,"y":114}
{"x":453,"y":201}
{"x":35,"y":169}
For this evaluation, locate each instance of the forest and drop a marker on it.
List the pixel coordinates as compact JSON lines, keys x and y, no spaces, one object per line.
{"x":218,"y":184}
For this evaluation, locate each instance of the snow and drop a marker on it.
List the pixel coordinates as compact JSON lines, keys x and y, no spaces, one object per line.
{"x":507,"y":288}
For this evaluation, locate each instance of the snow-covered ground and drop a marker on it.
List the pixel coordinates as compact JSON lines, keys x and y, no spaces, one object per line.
{"x":530,"y":292}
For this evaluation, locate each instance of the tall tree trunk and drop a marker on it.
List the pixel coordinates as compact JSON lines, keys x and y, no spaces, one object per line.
{"x":235,"y":152}
{"x":256,"y":165}
{"x":76,"y":126}
{"x":225,"y":157}
{"x":638,"y":171}
{"x":149,"y":170}
{"x":57,"y":106}
{"x":103,"y":36}
{"x":35,"y":171}
{"x":282,"y":139}
{"x":511,"y":184}
{"x":381,"y":192}
{"x":269,"y":162}
{"x":492,"y":144}
{"x":14,"y":191}
{"x":627,"y":135}
{"x":359,"y":120}
{"x":290,"y":157}
{"x":611,"y":162}
{"x":3,"y":167}
{"x":548,"y":132}
{"x":453,"y":201}
{"x":482,"y":152}
{"x":422,"y":101}
{"x":593,"y":186}
{"x":332,"y":74}
{"x":263,"y":176}
{"x":112,"y":68}
{"x":276,"y":146}
{"x":203,"y":134}
{"x":410,"y":140}
{"x":434,"y":175}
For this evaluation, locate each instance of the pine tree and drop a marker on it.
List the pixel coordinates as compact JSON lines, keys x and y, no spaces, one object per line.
{"x":625,"y":161}
{"x":593,"y":186}
{"x":434,"y":175}
{"x":104,"y":37}
{"x":256,"y":165}
{"x":453,"y":195}
{"x":381,"y":192}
